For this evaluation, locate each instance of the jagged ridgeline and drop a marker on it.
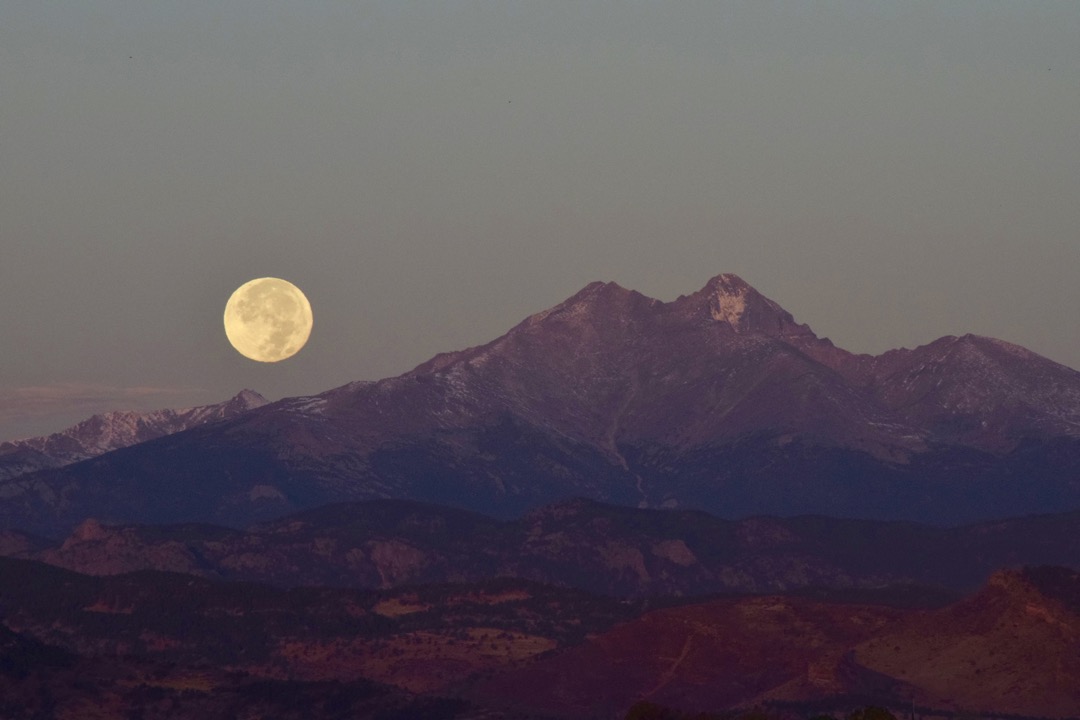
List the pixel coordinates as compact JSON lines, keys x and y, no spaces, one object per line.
{"x":718,"y":400}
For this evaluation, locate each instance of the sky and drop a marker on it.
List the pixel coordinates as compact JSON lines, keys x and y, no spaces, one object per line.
{"x":430,"y":173}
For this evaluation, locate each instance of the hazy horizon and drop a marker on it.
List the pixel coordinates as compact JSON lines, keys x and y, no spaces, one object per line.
{"x":431,"y":174}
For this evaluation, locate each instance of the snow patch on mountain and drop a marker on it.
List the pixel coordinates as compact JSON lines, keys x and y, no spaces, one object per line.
{"x":729,"y":307}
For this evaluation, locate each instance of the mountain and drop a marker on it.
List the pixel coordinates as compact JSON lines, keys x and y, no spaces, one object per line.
{"x":1009,"y":649}
{"x":109,"y":431}
{"x":603,"y":549}
{"x":717,"y":400}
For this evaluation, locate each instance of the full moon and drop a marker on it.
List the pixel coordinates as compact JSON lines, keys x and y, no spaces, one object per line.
{"x":268,"y":319}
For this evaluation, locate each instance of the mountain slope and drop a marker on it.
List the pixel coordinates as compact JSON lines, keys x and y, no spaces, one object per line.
{"x":718,"y":400}
{"x":978,"y":392}
{"x":696,"y":658}
{"x":1009,"y":649}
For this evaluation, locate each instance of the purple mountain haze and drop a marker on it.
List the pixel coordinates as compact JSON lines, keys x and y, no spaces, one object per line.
{"x":718,"y":400}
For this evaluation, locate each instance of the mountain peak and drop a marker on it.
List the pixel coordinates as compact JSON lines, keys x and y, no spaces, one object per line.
{"x":596,"y":300}
{"x":599,"y":286}
{"x":1050,"y":588}
{"x":89,"y":530}
{"x":730,"y":281}
{"x":729,"y":299}
{"x":599,"y":292}
{"x":725,"y":298}
{"x":246,"y":399}
{"x":728,"y":295}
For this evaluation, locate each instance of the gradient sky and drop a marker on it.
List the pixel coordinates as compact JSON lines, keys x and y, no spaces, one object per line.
{"x":430,"y":173}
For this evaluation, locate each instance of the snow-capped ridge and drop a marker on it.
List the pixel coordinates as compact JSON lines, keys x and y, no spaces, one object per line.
{"x":246,"y":399}
{"x":113,"y":430}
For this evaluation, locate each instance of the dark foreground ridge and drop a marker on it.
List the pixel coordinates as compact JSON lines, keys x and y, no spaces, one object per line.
{"x":154,"y":644}
{"x":603,"y":549}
